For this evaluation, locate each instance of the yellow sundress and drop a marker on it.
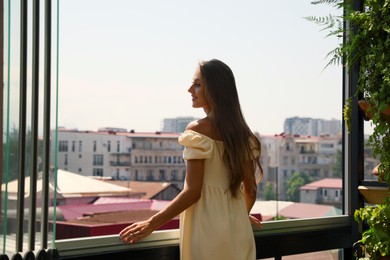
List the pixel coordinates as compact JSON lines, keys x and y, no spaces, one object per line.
{"x":217,"y":226}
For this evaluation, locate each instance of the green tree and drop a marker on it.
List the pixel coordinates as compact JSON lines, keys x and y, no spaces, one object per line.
{"x":296,"y":181}
{"x":13,"y":154}
{"x":269,"y":192}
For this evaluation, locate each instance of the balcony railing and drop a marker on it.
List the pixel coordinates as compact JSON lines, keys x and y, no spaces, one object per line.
{"x":114,"y":163}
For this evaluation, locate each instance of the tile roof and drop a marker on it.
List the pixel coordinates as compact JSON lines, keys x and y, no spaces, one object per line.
{"x":331,"y":183}
{"x":291,"y":209}
{"x":306,"y":210}
{"x":67,"y":188}
{"x":115,"y":217}
{"x":149,"y":189}
{"x":269,"y":207}
{"x":106,"y":205}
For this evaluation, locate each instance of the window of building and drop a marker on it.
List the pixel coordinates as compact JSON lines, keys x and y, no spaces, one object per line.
{"x":62,"y":146}
{"x":94,"y":146}
{"x":162,"y":175}
{"x":150,"y":175}
{"x":174,"y":175}
{"x":97,"y":172}
{"x":97,"y":159}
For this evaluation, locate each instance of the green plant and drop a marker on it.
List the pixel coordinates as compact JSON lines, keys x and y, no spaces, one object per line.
{"x":376,"y":239}
{"x":366,"y":44}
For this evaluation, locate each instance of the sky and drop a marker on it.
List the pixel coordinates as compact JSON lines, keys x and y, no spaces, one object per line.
{"x":128,"y":64}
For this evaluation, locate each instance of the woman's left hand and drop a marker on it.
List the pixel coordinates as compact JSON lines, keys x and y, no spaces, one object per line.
{"x":255,"y":221}
{"x":136,"y":231}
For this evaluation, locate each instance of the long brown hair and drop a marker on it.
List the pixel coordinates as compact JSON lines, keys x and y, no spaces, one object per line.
{"x":239,"y":142}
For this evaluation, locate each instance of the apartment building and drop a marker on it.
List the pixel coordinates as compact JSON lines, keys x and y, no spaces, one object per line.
{"x":311,"y":126}
{"x":286,"y":154}
{"x":177,"y":124}
{"x":119,"y":154}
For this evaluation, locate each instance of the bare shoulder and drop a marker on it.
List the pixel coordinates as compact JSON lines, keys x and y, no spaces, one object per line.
{"x":202,"y":126}
{"x":192,"y":125}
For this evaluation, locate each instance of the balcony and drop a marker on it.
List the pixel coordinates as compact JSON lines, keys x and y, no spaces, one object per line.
{"x":119,"y":164}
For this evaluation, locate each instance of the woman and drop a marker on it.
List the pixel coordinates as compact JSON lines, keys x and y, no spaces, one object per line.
{"x":222,"y":155}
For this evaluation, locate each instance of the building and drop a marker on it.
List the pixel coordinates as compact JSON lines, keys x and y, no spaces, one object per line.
{"x":327,"y":191}
{"x":121,"y":155}
{"x":176,"y":125}
{"x":311,"y":126}
{"x":286,"y":154}
{"x":86,"y":191}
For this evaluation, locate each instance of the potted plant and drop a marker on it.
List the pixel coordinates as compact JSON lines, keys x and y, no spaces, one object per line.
{"x":368,"y":45}
{"x":376,"y":238}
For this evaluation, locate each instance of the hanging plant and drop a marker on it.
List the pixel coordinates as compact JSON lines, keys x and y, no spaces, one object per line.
{"x":367,"y":43}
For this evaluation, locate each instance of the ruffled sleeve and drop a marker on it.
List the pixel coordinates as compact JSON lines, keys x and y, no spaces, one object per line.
{"x":196,"y":146}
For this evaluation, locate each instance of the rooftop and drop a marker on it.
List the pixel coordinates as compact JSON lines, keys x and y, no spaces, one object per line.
{"x":330,"y":183}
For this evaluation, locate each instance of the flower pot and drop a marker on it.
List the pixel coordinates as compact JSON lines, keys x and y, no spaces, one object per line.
{"x":373,"y":194}
{"x":364,"y":106}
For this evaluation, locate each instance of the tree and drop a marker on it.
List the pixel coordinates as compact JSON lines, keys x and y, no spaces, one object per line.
{"x":269,"y":192}
{"x":296,"y":181}
{"x":13,"y":154}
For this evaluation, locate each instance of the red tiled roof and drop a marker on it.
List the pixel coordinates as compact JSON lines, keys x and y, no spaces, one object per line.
{"x":104,"y":205}
{"x":150,"y":189}
{"x":332,"y":183}
{"x":306,"y":210}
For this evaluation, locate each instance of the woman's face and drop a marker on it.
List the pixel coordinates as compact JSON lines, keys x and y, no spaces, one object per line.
{"x":197,"y":90}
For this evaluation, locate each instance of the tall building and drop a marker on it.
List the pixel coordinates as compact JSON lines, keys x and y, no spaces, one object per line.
{"x":121,"y":155}
{"x":288,"y":154}
{"x":176,"y":125}
{"x":311,"y":126}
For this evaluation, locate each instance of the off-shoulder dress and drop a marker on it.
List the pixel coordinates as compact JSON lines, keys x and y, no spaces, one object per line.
{"x":217,"y":226}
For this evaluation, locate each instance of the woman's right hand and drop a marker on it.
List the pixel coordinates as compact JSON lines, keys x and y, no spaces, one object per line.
{"x":136,"y":231}
{"x":255,"y":221}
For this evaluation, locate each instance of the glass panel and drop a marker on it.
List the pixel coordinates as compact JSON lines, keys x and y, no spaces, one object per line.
{"x":11,"y":125}
{"x":126,"y":68}
{"x":12,"y":139}
{"x":370,"y":161}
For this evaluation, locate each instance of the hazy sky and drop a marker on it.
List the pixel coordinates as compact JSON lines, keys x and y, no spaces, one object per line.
{"x":128,"y":64}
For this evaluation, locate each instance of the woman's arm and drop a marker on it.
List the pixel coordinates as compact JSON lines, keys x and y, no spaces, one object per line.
{"x":187,"y":197}
{"x":250,"y":191}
